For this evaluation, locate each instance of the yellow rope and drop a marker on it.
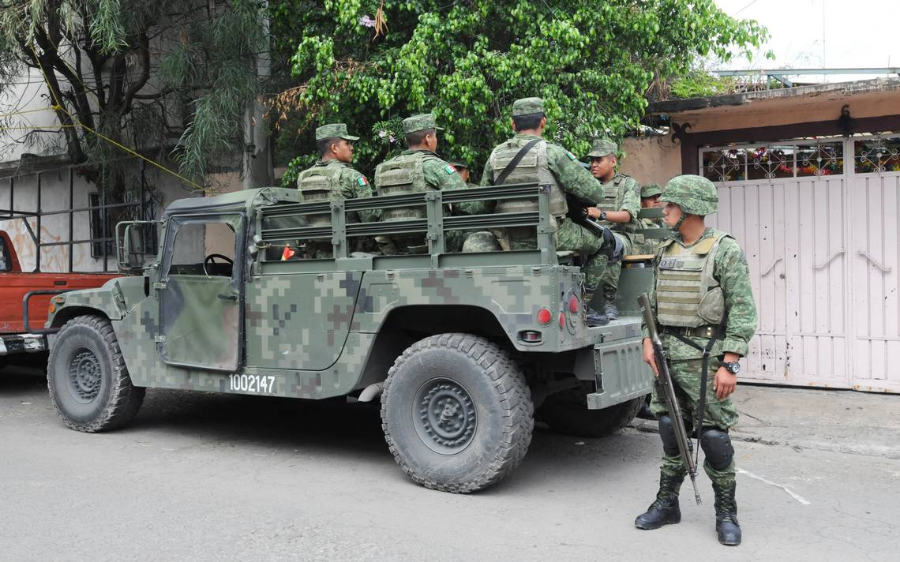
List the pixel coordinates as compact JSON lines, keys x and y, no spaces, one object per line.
{"x":48,"y":127}
{"x":59,"y":107}
{"x":24,"y":112}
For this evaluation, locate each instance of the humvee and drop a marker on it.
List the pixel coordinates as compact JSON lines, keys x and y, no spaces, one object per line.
{"x":460,"y":347}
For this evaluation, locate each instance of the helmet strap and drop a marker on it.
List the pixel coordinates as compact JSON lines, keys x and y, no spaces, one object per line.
{"x":680,"y":221}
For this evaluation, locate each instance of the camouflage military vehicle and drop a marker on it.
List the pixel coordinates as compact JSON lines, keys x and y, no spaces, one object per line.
{"x":460,"y":347}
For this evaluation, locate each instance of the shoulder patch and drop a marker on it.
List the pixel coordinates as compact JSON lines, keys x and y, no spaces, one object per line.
{"x":361,"y":180}
{"x":571,"y":156}
{"x":449,"y":169}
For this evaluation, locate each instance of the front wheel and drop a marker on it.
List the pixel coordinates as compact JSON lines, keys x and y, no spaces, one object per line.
{"x":89,"y":383}
{"x":456,"y":413}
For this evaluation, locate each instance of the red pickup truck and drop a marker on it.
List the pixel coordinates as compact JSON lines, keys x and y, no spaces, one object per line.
{"x":15,"y":336}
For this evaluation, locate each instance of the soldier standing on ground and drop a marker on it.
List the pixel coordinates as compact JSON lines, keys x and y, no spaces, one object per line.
{"x":416,"y":169}
{"x":333,"y":178}
{"x":701,"y":300}
{"x":544,"y":162}
{"x":618,"y":209}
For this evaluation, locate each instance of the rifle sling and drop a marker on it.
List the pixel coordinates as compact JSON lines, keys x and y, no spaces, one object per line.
{"x":704,"y":376}
{"x":515,"y":162}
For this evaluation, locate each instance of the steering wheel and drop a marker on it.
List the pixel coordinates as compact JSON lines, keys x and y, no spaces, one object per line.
{"x":210,"y":259}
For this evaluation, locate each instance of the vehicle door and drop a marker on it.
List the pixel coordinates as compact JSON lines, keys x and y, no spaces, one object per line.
{"x":201,"y":292}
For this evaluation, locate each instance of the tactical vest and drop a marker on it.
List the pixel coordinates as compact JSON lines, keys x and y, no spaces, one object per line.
{"x":320,"y":183}
{"x":402,"y":174}
{"x":687,"y":294}
{"x":532,"y":168}
{"x":610,"y":201}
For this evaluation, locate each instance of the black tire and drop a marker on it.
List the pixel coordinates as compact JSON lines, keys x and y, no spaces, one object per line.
{"x":89,"y":383}
{"x":456,"y":413}
{"x":567,"y":413}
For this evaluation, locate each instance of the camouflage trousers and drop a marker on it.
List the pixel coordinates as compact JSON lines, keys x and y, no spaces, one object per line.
{"x":718,"y":413}
{"x":609,"y":275}
{"x":573,"y":237}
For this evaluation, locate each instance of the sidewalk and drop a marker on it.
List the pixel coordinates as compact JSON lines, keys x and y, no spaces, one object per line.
{"x":828,"y":420}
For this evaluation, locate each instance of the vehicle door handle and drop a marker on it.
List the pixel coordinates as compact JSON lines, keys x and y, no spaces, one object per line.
{"x":227,"y":297}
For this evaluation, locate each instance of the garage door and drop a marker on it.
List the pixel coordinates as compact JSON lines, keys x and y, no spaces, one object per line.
{"x":818,"y":223}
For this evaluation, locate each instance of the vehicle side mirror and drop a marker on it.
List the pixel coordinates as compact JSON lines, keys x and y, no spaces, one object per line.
{"x":134,"y":241}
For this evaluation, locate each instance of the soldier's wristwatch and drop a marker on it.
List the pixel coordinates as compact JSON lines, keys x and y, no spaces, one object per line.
{"x":603,"y":215}
{"x":733,"y":367}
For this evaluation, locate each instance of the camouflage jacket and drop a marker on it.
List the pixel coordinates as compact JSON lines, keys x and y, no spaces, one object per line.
{"x":571,"y":175}
{"x":354,"y":185}
{"x":731,"y":271}
{"x":628,"y":199}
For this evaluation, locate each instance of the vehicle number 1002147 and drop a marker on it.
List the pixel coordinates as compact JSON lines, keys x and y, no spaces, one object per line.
{"x":252,"y":383}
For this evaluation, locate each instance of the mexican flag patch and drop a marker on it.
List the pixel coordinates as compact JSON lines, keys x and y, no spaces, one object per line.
{"x":449,"y":169}
{"x":362,"y":181}
{"x":570,"y":155}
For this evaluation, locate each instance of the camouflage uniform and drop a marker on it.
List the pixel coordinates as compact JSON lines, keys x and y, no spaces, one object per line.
{"x":572,"y":179}
{"x":621,"y":193}
{"x":724,"y":304}
{"x":650,"y":244}
{"x":414,"y":170}
{"x":331,"y":180}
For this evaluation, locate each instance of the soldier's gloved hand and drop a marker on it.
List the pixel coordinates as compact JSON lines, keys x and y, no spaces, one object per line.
{"x":613,"y":248}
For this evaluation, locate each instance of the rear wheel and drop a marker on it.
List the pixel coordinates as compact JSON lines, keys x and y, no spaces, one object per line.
{"x":567,"y":413}
{"x":89,"y":383}
{"x":456,"y":413}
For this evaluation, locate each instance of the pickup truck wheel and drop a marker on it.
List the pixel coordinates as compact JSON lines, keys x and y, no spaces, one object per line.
{"x":456,"y":413}
{"x":567,"y":413}
{"x":89,"y":383}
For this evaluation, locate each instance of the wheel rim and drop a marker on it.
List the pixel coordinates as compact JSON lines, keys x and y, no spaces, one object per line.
{"x":444,"y":416}
{"x":85,"y":375}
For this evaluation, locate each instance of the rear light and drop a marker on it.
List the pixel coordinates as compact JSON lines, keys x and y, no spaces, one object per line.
{"x":530,"y":336}
{"x":544,"y":317}
{"x":562,"y":320}
{"x":574,"y":305}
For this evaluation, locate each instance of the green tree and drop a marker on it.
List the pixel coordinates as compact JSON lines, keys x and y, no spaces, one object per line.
{"x":370,"y":61}
{"x":151,"y":76}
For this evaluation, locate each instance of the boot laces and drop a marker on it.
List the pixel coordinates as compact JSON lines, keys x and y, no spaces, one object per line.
{"x":726,"y":507}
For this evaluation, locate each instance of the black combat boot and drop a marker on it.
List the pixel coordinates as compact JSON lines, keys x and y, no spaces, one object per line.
{"x":609,"y":305}
{"x":593,"y":317}
{"x":727,"y":526}
{"x":665,"y":510}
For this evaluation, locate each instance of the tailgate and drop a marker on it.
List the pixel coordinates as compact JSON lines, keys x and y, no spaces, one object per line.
{"x":619,"y":367}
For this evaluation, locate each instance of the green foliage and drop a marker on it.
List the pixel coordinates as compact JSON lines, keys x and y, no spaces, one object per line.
{"x":591,"y":61}
{"x":699,"y":83}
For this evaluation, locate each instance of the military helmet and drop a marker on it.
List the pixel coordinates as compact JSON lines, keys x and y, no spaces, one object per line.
{"x":650,"y":189}
{"x":695,"y":195}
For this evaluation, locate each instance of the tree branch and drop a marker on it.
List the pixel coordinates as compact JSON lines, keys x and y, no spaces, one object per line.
{"x":144,"y":54}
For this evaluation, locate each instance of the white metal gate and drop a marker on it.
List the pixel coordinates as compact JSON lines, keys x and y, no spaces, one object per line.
{"x":820,"y":231}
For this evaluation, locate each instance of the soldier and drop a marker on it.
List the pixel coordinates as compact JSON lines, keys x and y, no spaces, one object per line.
{"x":701,"y":300}
{"x":618,"y":210}
{"x":331,"y":178}
{"x":416,"y":169}
{"x":650,"y":196}
{"x":463,"y":170}
{"x":649,"y":200}
{"x":548,"y":163}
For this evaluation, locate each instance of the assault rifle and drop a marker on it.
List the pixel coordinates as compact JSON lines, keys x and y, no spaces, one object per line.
{"x":665,"y":379}
{"x":612,"y":246}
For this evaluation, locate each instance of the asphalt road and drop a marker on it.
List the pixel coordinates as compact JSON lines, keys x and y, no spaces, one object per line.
{"x":213,"y":477}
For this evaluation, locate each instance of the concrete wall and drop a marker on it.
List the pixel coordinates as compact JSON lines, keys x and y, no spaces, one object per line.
{"x":651,"y":159}
{"x":790,"y":110}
